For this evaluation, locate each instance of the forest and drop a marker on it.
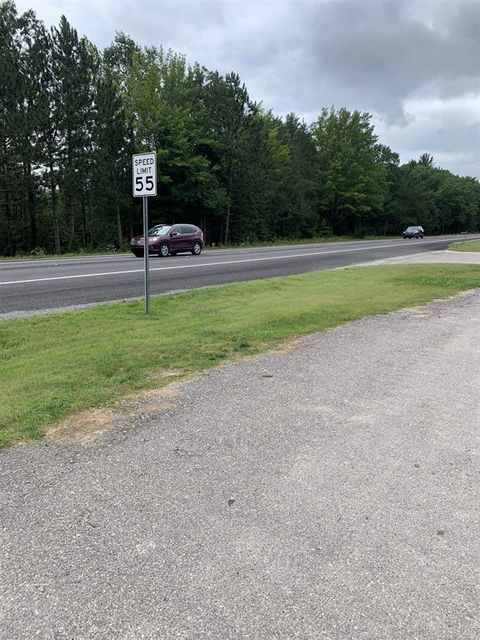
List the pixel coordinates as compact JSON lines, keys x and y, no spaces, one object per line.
{"x":72,"y":115}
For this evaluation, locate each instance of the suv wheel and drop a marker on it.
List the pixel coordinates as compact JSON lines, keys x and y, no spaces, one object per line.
{"x":164,"y":250}
{"x":196,"y":249}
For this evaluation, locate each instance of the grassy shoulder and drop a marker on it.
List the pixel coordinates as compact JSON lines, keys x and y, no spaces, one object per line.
{"x":62,"y":256}
{"x":470,"y":245}
{"x":284,"y":242}
{"x":52,"y":366}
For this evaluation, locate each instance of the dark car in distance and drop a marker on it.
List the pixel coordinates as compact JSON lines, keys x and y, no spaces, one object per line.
{"x":413,"y":232}
{"x":168,"y":240}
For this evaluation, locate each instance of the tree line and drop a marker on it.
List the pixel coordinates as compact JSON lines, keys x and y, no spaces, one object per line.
{"x":71,"y":116}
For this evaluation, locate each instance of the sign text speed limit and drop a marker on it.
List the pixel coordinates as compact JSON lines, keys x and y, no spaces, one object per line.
{"x":144,"y":171}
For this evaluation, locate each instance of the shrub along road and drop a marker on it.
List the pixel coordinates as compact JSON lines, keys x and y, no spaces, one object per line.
{"x":328,"y":491}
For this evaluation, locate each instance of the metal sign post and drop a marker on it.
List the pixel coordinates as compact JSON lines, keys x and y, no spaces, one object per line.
{"x":144,"y":174}
{"x":145,"y":254}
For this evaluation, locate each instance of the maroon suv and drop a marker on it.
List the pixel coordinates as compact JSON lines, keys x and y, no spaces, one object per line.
{"x":168,"y":240}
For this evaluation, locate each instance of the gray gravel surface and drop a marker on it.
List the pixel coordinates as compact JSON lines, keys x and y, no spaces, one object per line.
{"x":332,"y":490}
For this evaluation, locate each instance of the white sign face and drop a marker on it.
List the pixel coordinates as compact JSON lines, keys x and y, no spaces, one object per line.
{"x":144,"y":171}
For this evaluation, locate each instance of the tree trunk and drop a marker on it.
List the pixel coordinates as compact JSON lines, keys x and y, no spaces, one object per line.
{"x":11,"y":249}
{"x":56,"y":230}
{"x":119,"y":220}
{"x":33,"y":219}
{"x":8,"y":248}
{"x":71,"y":217}
{"x":31,"y":208}
{"x":227,"y":224}
{"x":119,"y":229}
{"x":229,"y":205}
{"x":84,"y":220}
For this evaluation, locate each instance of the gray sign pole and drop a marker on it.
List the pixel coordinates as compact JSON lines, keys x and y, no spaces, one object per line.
{"x":144,"y":182}
{"x":145,"y":253}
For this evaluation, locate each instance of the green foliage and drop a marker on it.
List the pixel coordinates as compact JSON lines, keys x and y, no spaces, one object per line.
{"x":351,"y":181}
{"x":71,"y":117}
{"x":295,"y":212}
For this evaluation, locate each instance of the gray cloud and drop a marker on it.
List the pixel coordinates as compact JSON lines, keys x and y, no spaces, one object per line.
{"x":414,"y":64}
{"x":383,"y":52}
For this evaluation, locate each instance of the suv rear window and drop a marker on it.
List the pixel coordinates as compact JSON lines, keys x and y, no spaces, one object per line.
{"x":187,"y":228}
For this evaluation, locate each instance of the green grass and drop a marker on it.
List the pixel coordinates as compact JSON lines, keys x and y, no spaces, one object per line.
{"x":52,"y":366}
{"x":470,"y":245}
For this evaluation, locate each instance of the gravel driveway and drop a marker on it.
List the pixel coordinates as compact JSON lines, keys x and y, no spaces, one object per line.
{"x":328,"y":490}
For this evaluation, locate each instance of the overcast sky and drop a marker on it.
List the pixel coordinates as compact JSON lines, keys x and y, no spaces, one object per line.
{"x":413,"y":64}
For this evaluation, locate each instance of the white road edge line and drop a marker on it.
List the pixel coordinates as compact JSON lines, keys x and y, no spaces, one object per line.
{"x":60,"y":261}
{"x":211,"y":264}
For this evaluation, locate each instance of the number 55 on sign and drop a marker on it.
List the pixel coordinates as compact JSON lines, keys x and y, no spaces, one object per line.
{"x":144,"y":174}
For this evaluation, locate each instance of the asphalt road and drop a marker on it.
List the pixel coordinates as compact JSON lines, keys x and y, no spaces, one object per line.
{"x":330,"y":491}
{"x":28,"y":285}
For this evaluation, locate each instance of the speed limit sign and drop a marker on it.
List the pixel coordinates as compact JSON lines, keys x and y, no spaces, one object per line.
{"x":144,"y":173}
